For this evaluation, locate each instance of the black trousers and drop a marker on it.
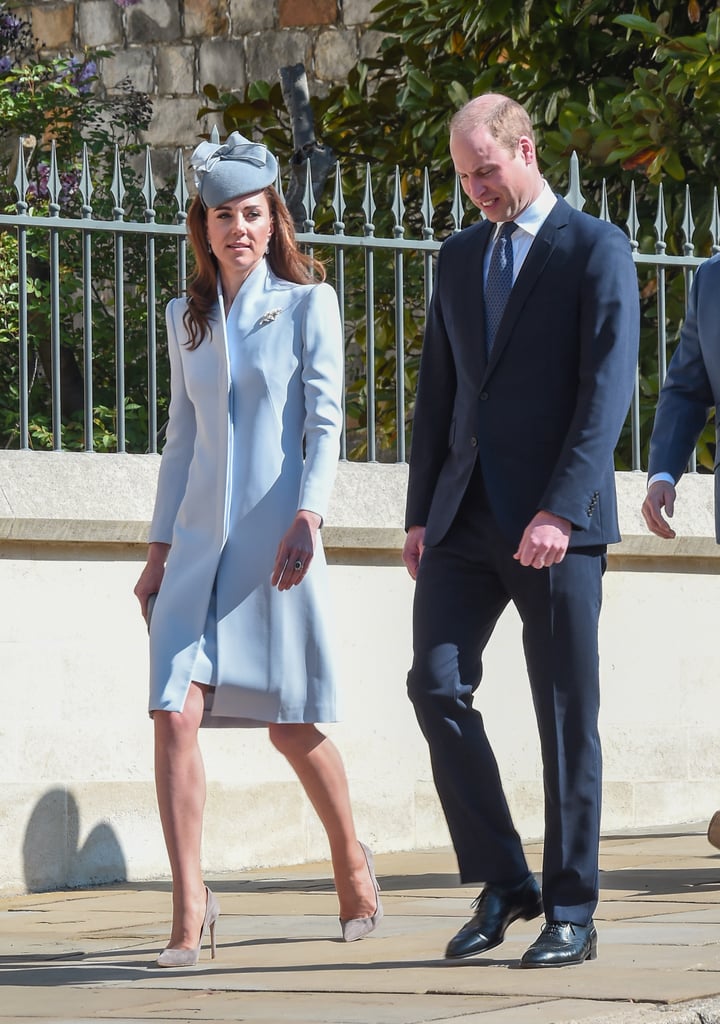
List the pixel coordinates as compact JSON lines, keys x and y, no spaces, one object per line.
{"x":463,"y":585}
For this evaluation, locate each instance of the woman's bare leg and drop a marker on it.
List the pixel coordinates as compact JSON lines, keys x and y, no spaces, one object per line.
{"x":318,"y":765}
{"x":180,"y":786}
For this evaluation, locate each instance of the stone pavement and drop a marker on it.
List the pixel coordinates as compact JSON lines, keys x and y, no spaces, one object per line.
{"x":88,"y":955}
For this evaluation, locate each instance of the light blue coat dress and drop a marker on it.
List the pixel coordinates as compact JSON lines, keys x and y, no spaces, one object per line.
{"x":253,"y":436}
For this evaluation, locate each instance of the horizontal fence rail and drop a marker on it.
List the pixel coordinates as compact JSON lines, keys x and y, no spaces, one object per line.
{"x":87,"y":370}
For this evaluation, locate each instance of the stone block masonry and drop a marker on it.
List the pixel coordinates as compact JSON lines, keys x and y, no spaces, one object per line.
{"x":172,"y":50}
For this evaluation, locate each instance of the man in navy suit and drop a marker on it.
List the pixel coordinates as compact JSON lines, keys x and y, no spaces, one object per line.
{"x":511,"y":497}
{"x":690,"y":390}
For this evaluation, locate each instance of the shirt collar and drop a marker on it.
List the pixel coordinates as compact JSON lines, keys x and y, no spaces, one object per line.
{"x":533,"y":218}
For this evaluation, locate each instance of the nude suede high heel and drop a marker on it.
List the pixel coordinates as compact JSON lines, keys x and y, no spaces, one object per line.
{"x":189,"y":957}
{"x":355,"y":928}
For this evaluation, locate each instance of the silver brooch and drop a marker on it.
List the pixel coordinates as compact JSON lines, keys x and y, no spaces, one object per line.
{"x":267,"y":318}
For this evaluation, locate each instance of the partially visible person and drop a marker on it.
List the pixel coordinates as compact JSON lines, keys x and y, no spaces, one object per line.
{"x":526,"y":376}
{"x":691,"y":390}
{"x":239,"y":632}
{"x":713,"y":833}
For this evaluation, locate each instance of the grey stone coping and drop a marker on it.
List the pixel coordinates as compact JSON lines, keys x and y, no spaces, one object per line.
{"x":87,"y":498}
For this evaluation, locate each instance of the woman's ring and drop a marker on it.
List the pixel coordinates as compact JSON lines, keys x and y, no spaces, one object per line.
{"x":298,"y":566}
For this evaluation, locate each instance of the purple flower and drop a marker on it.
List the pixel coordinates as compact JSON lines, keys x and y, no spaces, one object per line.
{"x":81,"y":73}
{"x":5,"y":65}
{"x":9,"y":24}
{"x":39,"y":189}
{"x":69,"y":184}
{"x":127,"y":3}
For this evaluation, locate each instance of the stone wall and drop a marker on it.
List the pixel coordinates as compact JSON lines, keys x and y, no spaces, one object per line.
{"x":170,"y":50}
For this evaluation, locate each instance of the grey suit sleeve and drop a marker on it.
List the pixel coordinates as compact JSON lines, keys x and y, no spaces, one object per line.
{"x":687,"y":394}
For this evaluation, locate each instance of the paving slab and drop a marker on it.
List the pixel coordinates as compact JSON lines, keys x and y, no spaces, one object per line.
{"x":89,"y":955}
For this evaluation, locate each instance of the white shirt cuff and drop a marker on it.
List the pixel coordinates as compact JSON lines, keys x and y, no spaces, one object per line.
{"x":661,"y":476}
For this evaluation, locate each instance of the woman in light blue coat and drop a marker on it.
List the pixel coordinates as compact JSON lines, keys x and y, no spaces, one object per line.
{"x":239,"y":633}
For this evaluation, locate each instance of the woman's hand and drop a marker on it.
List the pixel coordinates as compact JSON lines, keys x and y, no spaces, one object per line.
{"x":295,"y":551}
{"x":152,"y":575}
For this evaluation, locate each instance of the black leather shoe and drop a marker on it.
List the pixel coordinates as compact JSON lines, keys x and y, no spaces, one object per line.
{"x":495,"y":909}
{"x":561,"y":943}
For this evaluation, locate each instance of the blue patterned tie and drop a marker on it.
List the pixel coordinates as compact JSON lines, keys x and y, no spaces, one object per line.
{"x":499,"y":282}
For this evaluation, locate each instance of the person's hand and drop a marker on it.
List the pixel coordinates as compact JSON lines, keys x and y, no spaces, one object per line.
{"x":152,"y":575}
{"x":295,"y":551}
{"x":660,"y":495}
{"x":544,"y":541}
{"x":413,"y":549}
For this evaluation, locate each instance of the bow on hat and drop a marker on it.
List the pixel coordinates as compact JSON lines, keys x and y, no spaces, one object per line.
{"x":232,"y":168}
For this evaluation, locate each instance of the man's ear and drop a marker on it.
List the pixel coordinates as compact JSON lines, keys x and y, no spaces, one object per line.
{"x":527,"y":149}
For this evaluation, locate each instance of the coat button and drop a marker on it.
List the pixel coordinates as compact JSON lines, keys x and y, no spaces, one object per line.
{"x":484,"y":396}
{"x":473,"y":442}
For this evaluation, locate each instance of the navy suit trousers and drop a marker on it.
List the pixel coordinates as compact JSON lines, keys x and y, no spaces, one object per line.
{"x":463,"y":585}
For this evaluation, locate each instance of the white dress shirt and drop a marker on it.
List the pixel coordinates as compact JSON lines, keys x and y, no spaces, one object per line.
{"x":528,"y":223}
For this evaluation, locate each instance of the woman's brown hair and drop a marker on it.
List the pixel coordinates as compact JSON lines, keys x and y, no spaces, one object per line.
{"x":285,"y":259}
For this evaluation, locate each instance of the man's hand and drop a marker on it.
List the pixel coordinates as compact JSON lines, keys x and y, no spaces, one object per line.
{"x":660,"y":495}
{"x":544,"y":541}
{"x":413,"y":549}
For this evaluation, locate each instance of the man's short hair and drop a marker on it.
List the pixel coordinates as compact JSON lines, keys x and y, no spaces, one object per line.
{"x":505,"y":119}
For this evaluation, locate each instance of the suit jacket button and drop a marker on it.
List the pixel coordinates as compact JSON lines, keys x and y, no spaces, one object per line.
{"x":473,"y":442}
{"x":484,"y":396}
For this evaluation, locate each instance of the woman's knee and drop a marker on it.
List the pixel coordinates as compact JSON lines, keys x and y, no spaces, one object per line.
{"x":172,"y":726}
{"x":293,"y":738}
{"x":179,"y":727}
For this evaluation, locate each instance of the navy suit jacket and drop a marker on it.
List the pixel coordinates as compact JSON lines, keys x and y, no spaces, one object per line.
{"x":692,"y":384}
{"x":543,"y":415}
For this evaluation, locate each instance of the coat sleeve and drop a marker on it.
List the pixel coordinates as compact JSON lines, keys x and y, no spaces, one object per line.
{"x":609,"y":332}
{"x":434,"y":403}
{"x":180,"y":438}
{"x":322,"y":375}
{"x":686,"y":395}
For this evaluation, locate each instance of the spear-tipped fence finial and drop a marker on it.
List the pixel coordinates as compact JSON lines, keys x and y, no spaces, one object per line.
{"x":148,"y":190}
{"x":633,"y":221}
{"x":21,"y":178}
{"x":398,"y":206}
{"x":338,"y":202}
{"x":117,"y":188}
{"x":660,"y":222}
{"x":181,"y":189}
{"x":688,"y":225}
{"x":427,"y":209}
{"x":574,"y":194}
{"x":53,"y":183}
{"x":85,"y":185}
{"x":368,"y":203}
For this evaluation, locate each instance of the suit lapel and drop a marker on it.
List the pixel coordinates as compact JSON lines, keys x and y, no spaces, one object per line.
{"x":478,"y":349}
{"x":540,"y":252}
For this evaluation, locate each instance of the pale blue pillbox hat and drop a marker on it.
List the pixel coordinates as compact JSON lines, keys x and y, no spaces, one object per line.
{"x":234,"y":168}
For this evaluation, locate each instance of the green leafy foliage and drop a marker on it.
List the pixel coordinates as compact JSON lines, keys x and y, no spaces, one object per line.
{"x":629,"y":85}
{"x":60,"y":101}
